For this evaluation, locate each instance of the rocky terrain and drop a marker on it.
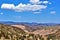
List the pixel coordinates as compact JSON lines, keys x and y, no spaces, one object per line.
{"x":29,"y":32}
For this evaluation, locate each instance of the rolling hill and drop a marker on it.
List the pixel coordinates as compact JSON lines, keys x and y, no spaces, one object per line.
{"x":29,"y":31}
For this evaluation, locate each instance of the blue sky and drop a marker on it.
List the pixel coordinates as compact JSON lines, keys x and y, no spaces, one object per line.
{"x":40,"y":11}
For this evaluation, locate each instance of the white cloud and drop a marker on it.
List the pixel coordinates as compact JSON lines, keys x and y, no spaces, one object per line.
{"x":26,"y":7}
{"x":53,"y":12}
{"x":23,"y":7}
{"x":29,"y":7}
{"x":45,"y":2}
{"x":39,"y":2}
{"x":36,"y":12}
{"x":7,"y":6}
{"x":35,"y":1}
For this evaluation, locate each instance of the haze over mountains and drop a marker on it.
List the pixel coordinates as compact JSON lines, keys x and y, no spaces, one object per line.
{"x":28,"y":24}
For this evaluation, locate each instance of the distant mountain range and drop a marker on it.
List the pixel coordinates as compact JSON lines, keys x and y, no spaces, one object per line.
{"x":28,"y":24}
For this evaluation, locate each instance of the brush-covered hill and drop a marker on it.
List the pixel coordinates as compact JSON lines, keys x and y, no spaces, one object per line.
{"x":35,"y":32}
{"x":7,"y":30}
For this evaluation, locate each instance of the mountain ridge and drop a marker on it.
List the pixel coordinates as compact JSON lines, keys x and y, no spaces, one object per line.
{"x":28,"y":24}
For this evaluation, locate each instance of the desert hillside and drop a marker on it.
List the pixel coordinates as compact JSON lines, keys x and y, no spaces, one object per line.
{"x":24,"y":32}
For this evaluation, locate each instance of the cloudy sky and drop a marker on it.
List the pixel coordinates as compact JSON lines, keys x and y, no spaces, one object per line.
{"x":41,"y":11}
